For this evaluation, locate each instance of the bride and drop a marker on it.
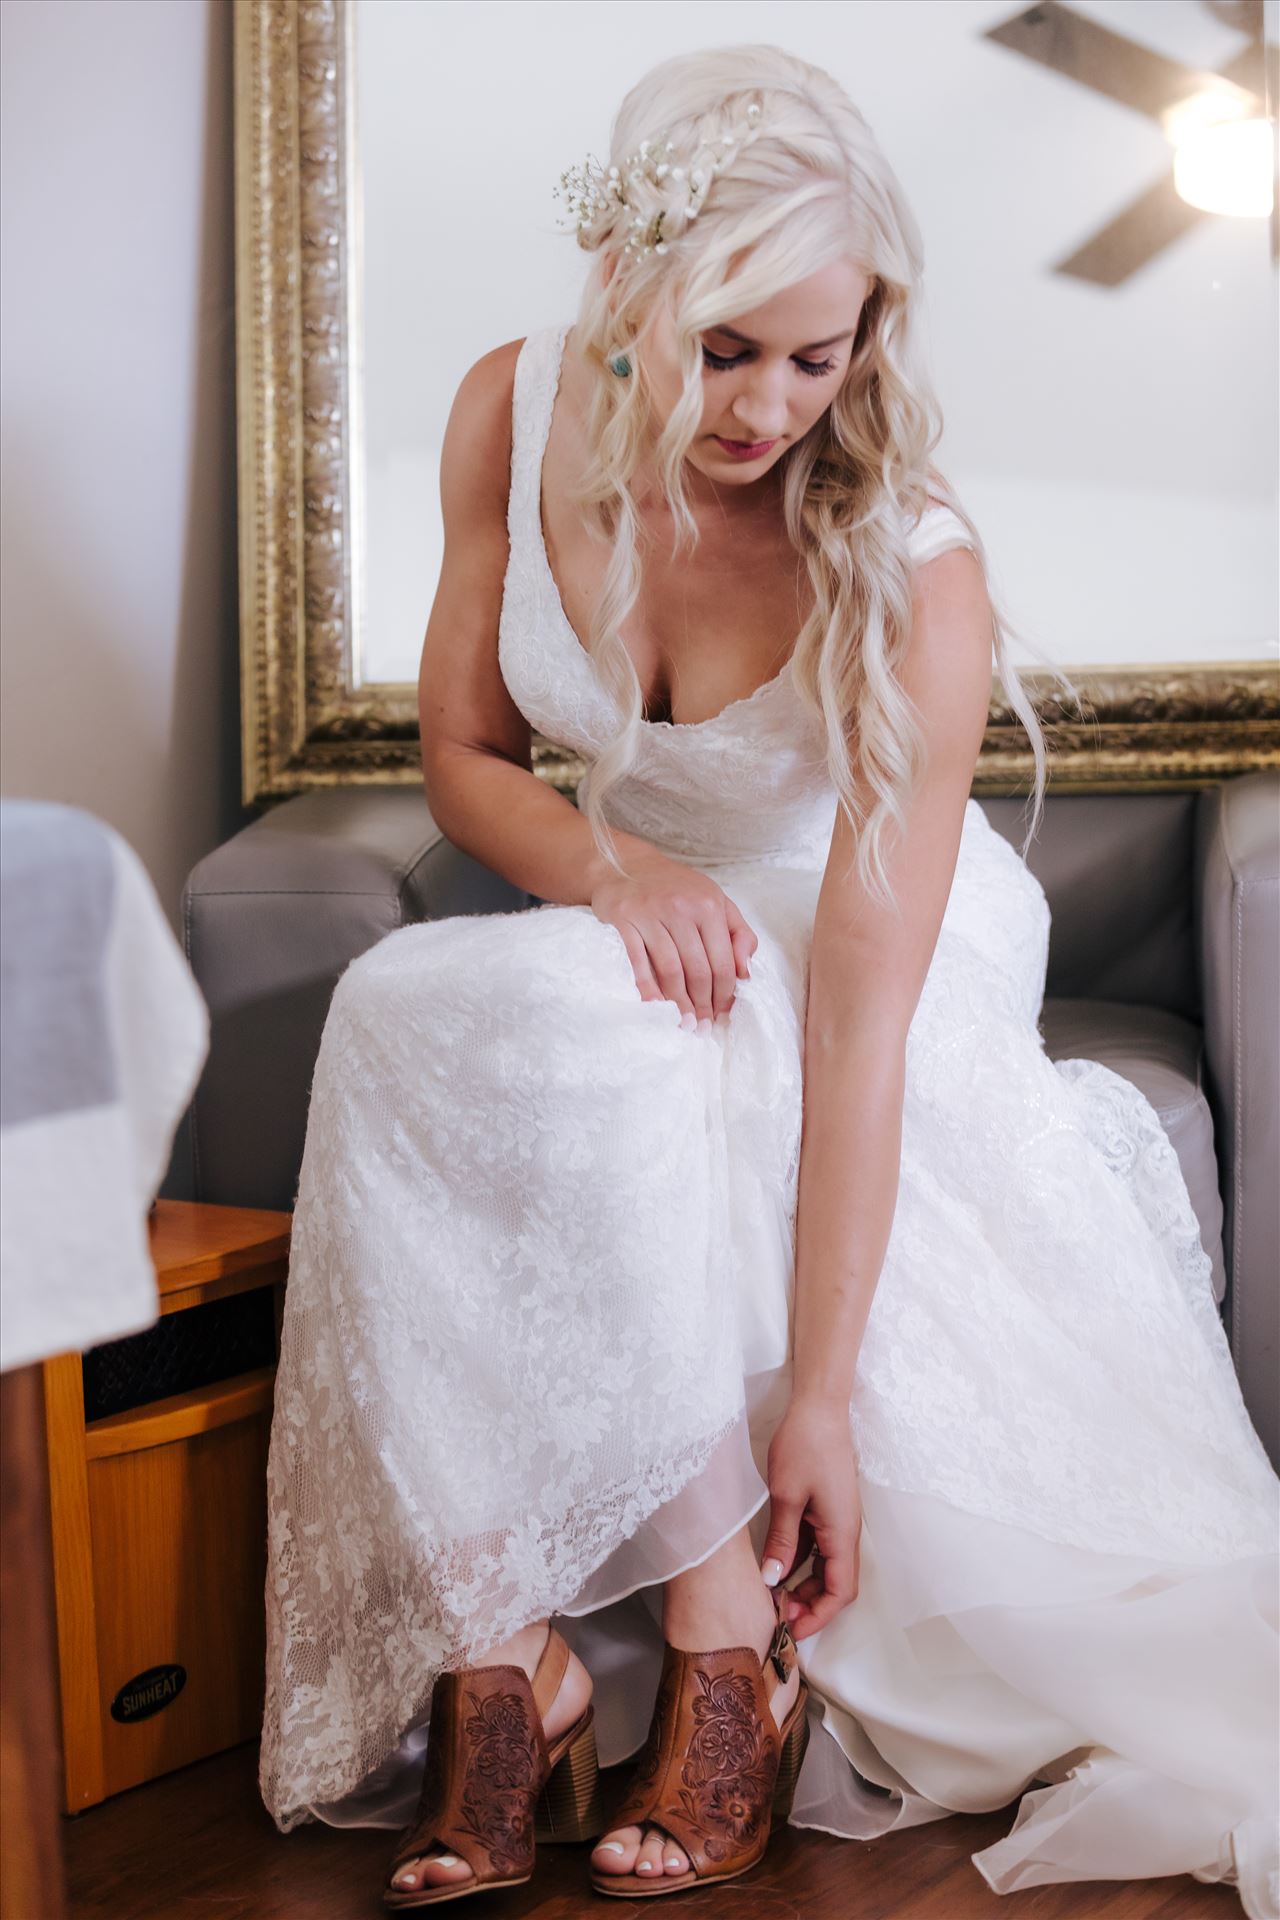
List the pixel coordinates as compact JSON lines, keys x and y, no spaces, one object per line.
{"x":710,"y":1256}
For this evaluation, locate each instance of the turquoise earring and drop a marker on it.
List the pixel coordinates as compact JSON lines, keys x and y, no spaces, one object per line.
{"x":621,"y":366}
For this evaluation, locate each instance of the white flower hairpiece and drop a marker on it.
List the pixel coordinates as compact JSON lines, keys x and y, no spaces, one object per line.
{"x":660,"y":193}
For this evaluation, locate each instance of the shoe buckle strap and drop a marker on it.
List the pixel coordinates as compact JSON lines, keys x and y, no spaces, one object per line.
{"x":782,"y":1652}
{"x":549,"y":1672}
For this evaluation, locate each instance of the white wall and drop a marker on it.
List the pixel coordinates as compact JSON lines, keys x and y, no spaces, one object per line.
{"x":118,"y":615}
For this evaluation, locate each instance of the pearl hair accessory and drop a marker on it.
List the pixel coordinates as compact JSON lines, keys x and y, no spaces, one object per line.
{"x":661,"y":194}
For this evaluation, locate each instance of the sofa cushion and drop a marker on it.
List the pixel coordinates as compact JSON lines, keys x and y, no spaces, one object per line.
{"x":1116,"y":872}
{"x":1161,"y":1055}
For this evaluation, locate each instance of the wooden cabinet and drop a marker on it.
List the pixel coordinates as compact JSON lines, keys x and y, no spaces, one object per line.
{"x":158,"y":1521}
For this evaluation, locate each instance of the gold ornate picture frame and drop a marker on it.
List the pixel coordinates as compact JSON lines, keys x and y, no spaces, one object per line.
{"x":305,"y":722}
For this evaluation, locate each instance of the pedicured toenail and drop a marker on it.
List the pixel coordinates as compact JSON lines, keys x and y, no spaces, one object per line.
{"x":447,"y":1860}
{"x":611,"y":1846}
{"x":646,"y":1866}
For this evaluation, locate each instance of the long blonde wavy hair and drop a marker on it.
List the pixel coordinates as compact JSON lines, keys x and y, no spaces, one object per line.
{"x":811,"y":188}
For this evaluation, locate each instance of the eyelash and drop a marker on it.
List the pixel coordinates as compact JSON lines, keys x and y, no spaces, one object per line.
{"x":719,"y":364}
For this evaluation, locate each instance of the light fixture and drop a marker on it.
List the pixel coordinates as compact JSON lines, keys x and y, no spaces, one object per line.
{"x":1223,"y":156}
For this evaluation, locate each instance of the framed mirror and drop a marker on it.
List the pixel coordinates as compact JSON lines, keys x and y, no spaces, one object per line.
{"x":1103,"y":344}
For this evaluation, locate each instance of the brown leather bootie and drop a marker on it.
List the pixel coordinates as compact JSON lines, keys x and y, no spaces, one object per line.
{"x":716,"y":1769}
{"x":493,"y":1785}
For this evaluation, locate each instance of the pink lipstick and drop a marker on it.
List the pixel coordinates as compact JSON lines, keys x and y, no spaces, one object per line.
{"x":741,"y":450}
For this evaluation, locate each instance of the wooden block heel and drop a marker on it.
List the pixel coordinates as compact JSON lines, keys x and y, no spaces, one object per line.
{"x":793,"y":1752}
{"x":570,"y":1807}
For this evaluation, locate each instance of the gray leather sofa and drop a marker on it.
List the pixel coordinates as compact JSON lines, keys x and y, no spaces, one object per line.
{"x":1164,"y":964}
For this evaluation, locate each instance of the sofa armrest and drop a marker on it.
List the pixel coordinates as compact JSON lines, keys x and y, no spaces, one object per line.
{"x":271,"y":919}
{"x":1238,"y":936}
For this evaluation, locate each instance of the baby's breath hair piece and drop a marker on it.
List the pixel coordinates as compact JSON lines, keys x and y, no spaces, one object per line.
{"x":654,"y":193}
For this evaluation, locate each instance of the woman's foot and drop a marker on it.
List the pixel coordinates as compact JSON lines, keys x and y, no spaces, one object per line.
{"x":722,"y":1603}
{"x":439,"y":1868}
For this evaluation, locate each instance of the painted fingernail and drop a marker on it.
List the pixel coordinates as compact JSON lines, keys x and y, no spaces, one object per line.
{"x":687,"y":1022}
{"x":722,"y":1019}
{"x":771,"y":1572}
{"x":611,"y":1846}
{"x":704,"y":1026}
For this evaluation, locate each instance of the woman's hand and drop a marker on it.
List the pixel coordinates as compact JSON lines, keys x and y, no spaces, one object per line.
{"x":685,"y":937}
{"x":814,"y":1506}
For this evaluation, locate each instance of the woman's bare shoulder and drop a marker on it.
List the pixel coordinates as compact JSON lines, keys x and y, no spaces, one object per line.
{"x":491,"y":378}
{"x":476,"y":456}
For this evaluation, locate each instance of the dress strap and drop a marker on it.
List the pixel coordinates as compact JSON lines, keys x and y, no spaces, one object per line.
{"x":533,"y":397}
{"x":937,"y":530}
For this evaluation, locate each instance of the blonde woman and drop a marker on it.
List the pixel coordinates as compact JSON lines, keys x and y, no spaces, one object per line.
{"x":714,"y":1244}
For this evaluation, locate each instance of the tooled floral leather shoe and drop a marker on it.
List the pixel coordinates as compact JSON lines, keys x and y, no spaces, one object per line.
{"x":493,"y":1785}
{"x":716,"y":1769}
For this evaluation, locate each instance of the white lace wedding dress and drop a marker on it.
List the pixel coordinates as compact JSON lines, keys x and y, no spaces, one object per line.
{"x":537,"y":1336}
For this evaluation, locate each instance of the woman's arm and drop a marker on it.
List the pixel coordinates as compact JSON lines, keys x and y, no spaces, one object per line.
{"x":867,"y":970}
{"x":477,"y":762}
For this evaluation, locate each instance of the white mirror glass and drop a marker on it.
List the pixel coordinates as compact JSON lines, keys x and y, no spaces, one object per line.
{"x":1117,"y":445}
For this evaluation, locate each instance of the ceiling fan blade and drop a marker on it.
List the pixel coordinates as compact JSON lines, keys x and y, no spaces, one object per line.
{"x":1146,"y":226}
{"x":1244,"y":15}
{"x":1256,"y":68}
{"x":1083,"y":50}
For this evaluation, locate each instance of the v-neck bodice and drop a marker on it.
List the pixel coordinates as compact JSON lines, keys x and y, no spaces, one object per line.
{"x":749,"y":782}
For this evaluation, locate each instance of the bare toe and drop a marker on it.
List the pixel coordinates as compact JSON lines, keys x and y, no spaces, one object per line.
{"x":649,"y":1858}
{"x":673,"y":1860}
{"x":430,"y":1870}
{"x":616,"y":1853}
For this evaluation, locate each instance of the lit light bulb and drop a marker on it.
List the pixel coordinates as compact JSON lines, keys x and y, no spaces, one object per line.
{"x":1227,"y":167}
{"x":1213,"y":101}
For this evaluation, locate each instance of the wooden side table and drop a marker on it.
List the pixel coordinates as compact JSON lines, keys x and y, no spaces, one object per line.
{"x":158,"y":1523}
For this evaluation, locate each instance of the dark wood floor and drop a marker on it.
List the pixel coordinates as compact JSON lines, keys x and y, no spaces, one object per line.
{"x":198,"y":1845}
